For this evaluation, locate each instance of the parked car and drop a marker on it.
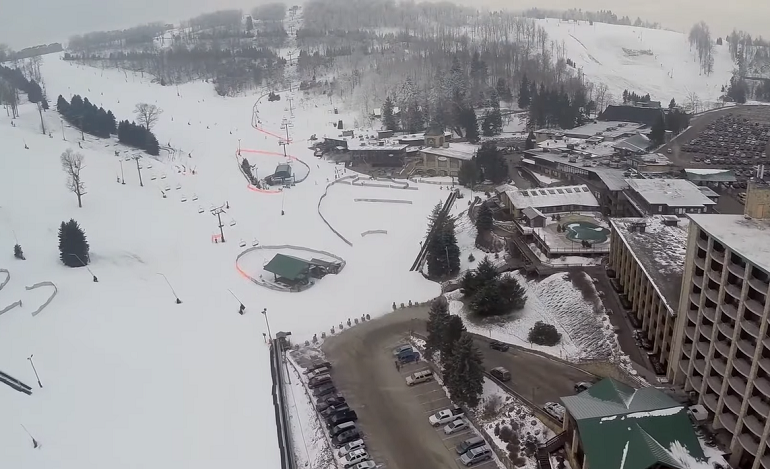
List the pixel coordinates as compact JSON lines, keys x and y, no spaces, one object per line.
{"x":324,"y":391}
{"x":422,"y":376}
{"x":445,"y":416}
{"x":409,"y":357}
{"x":470,"y":443}
{"x":341,"y":428}
{"x":500,"y":373}
{"x":402,"y":348}
{"x":476,"y":455}
{"x":348,"y":447}
{"x":354,"y":457}
{"x":554,"y":410}
{"x":455,"y":426}
{"x":331,"y":410}
{"x":366,"y":465}
{"x":320,"y":371}
{"x":319,"y":381}
{"x":345,"y":437}
{"x":342,"y":417}
{"x":318,"y":365}
{"x":500,"y":346}
{"x":582,"y":386}
{"x":330,"y":401}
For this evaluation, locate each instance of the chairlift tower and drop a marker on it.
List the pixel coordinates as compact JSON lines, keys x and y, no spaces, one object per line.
{"x":218,"y":211}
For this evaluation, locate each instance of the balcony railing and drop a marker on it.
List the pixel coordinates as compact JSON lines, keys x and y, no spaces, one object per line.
{"x":718,"y":256}
{"x":723,"y":348}
{"x":738,"y":384}
{"x":730,"y":310}
{"x":692,"y":315}
{"x":733,"y":403}
{"x":712,"y":294}
{"x":749,"y":443}
{"x":706,"y":330}
{"x":763,"y":386}
{"x":766,"y":460}
{"x":715,"y":384}
{"x":746,"y":347}
{"x":742,"y":366}
{"x":765,"y":364}
{"x":734,"y":291}
{"x":700,"y":365}
{"x":755,"y":306}
{"x":736,"y":269}
{"x":726,"y":329}
{"x":690,"y":331}
{"x":700,"y":262}
{"x":715,"y":276}
{"x":703,"y":348}
{"x":760,"y":406}
{"x":728,"y":421}
{"x":758,"y":285}
{"x":719,"y":365}
{"x":751,"y":327}
{"x":687,"y":350}
{"x":754,"y":425}
{"x":703,"y":244}
{"x":710,"y":400}
{"x":697,"y":280}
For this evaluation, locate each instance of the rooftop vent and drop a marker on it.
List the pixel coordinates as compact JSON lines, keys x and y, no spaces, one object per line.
{"x":670,"y":220}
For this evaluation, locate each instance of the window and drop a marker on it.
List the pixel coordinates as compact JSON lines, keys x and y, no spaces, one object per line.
{"x":660,"y":208}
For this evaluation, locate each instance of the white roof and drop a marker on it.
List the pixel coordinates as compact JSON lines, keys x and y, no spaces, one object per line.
{"x":457,"y":151}
{"x":618,"y":129}
{"x":373,"y":144}
{"x":670,"y":192}
{"x":704,"y":171}
{"x":749,"y":238}
{"x":553,"y":197}
{"x":528,"y":161}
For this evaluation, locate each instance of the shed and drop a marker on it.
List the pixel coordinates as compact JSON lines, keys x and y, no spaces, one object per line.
{"x":622,"y":427}
{"x":289,"y":269}
{"x":282,"y":172}
{"x":534,"y":217}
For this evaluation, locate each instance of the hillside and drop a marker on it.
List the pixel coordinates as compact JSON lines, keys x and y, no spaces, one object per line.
{"x":653,"y":61}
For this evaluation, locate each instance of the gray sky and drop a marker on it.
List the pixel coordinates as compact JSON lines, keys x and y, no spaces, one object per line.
{"x":30,"y":22}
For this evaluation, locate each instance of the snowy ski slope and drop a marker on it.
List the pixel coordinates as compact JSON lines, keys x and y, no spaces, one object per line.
{"x":651,"y":61}
{"x":130,"y":378}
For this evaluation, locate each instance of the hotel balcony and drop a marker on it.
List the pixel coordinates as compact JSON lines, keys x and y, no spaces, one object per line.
{"x":715,"y":276}
{"x":690,"y":331}
{"x":712,"y":294}
{"x":763,"y":386}
{"x":692,"y":315}
{"x":733,"y":290}
{"x":749,"y":443}
{"x":715,"y":384}
{"x":733,"y":403}
{"x":758,"y":285}
{"x":726,"y":329}
{"x":703,"y":243}
{"x":766,"y":460}
{"x":765,"y":364}
{"x":703,"y":348}
{"x":696,"y":382}
{"x":746,"y":347}
{"x":710,"y":313}
{"x":728,"y":421}
{"x":730,"y":310}
{"x":751,"y":327}
{"x":760,"y":406}
{"x":719,"y":365}
{"x":718,"y":256}
{"x":755,"y":306}
{"x":736,"y":269}
{"x":706,"y":330}
{"x":687,"y":350}
{"x":700,"y":262}
{"x":700,"y":365}
{"x":710,"y":401}
{"x":754,"y":425}
{"x":723,"y":348}
{"x":743,"y":366}
{"x":697,"y":280}
{"x":738,"y":384}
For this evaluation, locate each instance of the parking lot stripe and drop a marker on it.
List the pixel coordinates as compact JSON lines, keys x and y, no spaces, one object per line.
{"x":449,"y":437}
{"x":426,"y":393}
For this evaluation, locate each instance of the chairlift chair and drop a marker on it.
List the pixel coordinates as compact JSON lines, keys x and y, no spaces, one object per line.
{"x":184,"y":198}
{"x":178,"y":186}
{"x":200,"y":209}
{"x":232,"y":222}
{"x":168,"y":188}
{"x":242,"y":244}
{"x":195,"y":197}
{"x":255,"y":242}
{"x":163,"y":176}
{"x":149,"y":166}
{"x":153,"y":177}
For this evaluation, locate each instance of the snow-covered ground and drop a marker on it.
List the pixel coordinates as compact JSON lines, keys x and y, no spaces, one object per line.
{"x":554,"y":300}
{"x":126,"y":370}
{"x":653,"y":61}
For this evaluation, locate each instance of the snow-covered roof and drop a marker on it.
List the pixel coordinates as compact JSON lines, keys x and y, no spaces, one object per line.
{"x":531,"y":212}
{"x":527,"y":161}
{"x":659,"y":250}
{"x":553,"y":197}
{"x":670,"y":192}
{"x":456,"y":151}
{"x":608,"y":129}
{"x":637,"y":143}
{"x":374,"y":144}
{"x":710,"y":175}
{"x":749,"y":238}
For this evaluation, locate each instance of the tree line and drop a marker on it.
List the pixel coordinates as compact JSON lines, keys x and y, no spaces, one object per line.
{"x":487,"y":165}
{"x":675,"y":120}
{"x":552,"y":106}
{"x":700,"y":38}
{"x":13,"y":80}
{"x":601,"y":16}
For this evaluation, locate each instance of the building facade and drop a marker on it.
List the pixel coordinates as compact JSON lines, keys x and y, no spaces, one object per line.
{"x":722,"y":347}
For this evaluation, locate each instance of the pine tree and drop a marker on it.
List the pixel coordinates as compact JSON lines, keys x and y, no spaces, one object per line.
{"x":467,"y":120}
{"x":468,"y":175}
{"x":246,"y":167}
{"x":443,"y":253}
{"x":672,"y":104}
{"x":525,"y":97}
{"x":388,"y":118}
{"x":658,"y":131}
{"x":451,"y":332}
{"x":503,"y":90}
{"x":492,"y":162}
{"x":487,"y":128}
{"x":484,"y":219}
{"x":513,"y":294}
{"x":464,"y":374}
{"x":473,"y":280}
{"x":73,"y":246}
{"x":531,"y":141}
{"x":18,"y":253}
{"x":438,"y":316}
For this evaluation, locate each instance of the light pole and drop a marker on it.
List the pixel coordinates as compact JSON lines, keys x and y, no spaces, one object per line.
{"x":33,"y":369}
{"x":178,"y":301}
{"x":63,"y":137}
{"x":122,"y":177}
{"x":239,"y":147}
{"x":267,"y":322}
{"x":84,"y":265}
{"x":242,"y":308}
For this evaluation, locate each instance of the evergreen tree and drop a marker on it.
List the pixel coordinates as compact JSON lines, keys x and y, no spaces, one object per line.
{"x":531,"y":141}
{"x":514,"y":296}
{"x":443,"y":253}
{"x":246,"y":167}
{"x":468,"y":175}
{"x":18,"y":253}
{"x":487,"y":129}
{"x":464,"y":374}
{"x":484,"y":219}
{"x":73,"y":246}
{"x":492,"y":163}
{"x":388,"y":118}
{"x":467,"y":120}
{"x":438,"y":316}
{"x":503,"y":90}
{"x":658,"y":131}
{"x":473,"y":280}
{"x":672,"y":104}
{"x":525,"y":95}
{"x":249,"y":23}
{"x":451,"y":332}
{"x":490,"y":293}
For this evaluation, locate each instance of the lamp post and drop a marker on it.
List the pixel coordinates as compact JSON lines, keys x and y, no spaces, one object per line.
{"x":267,"y":322}
{"x":122,"y":177}
{"x":33,"y":369}
{"x":84,"y":265}
{"x":239,"y":147}
{"x":178,"y":301}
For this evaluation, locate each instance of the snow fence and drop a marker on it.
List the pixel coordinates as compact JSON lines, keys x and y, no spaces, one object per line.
{"x":48,"y":301}
{"x":275,"y":286}
{"x":10,"y":307}
{"x":368,"y":232}
{"x":7,"y":278}
{"x":387,"y":201}
{"x":326,"y":191}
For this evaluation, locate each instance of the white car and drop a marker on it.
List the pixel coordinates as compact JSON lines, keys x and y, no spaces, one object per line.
{"x":366,"y":465}
{"x":554,"y":410}
{"x":455,"y":427}
{"x":445,"y":416}
{"x":355,"y":444}
{"x":354,"y":457}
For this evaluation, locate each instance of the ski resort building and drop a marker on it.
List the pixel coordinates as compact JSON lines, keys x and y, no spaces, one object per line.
{"x":445,"y":160}
{"x":667,"y":197}
{"x":558,"y":199}
{"x":645,"y":115}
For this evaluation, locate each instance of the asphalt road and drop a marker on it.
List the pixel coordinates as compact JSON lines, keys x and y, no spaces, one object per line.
{"x":391,"y":416}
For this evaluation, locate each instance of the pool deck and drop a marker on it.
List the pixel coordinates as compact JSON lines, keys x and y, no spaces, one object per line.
{"x":558,"y":244}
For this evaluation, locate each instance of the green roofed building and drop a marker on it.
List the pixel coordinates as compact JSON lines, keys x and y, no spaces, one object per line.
{"x":289,"y":269}
{"x":614,"y":426}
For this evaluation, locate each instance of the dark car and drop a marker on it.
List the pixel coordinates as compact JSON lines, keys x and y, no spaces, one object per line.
{"x":335,"y":410}
{"x":318,"y":365}
{"x":324,"y":390}
{"x":319,"y":381}
{"x":342,"y":428}
{"x":497,"y":345}
{"x":342,"y":417}
{"x":330,"y":401}
{"x":345,"y":437}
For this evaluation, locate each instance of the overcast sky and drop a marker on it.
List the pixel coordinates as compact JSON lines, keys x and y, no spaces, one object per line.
{"x":31,"y":22}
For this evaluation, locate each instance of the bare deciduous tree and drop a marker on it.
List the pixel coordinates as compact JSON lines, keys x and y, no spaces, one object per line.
{"x":72,"y":164}
{"x":147,"y":114}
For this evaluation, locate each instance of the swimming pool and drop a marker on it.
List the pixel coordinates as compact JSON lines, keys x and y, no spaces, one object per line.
{"x":586,"y":231}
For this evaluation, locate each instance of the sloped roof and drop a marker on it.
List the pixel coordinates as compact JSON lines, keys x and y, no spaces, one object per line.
{"x":553,"y":197}
{"x":531,"y":213}
{"x":283,"y":168}
{"x":625,"y":428}
{"x":637,"y":143}
{"x":710,"y":175}
{"x":670,"y":192}
{"x":641,"y":115}
{"x":288,"y":267}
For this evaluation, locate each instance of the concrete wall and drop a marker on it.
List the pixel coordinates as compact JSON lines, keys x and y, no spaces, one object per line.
{"x":758,"y":201}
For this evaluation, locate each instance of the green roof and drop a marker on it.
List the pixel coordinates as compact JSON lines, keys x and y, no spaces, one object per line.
{"x":710,"y":175}
{"x":625,"y":428}
{"x":288,"y":267}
